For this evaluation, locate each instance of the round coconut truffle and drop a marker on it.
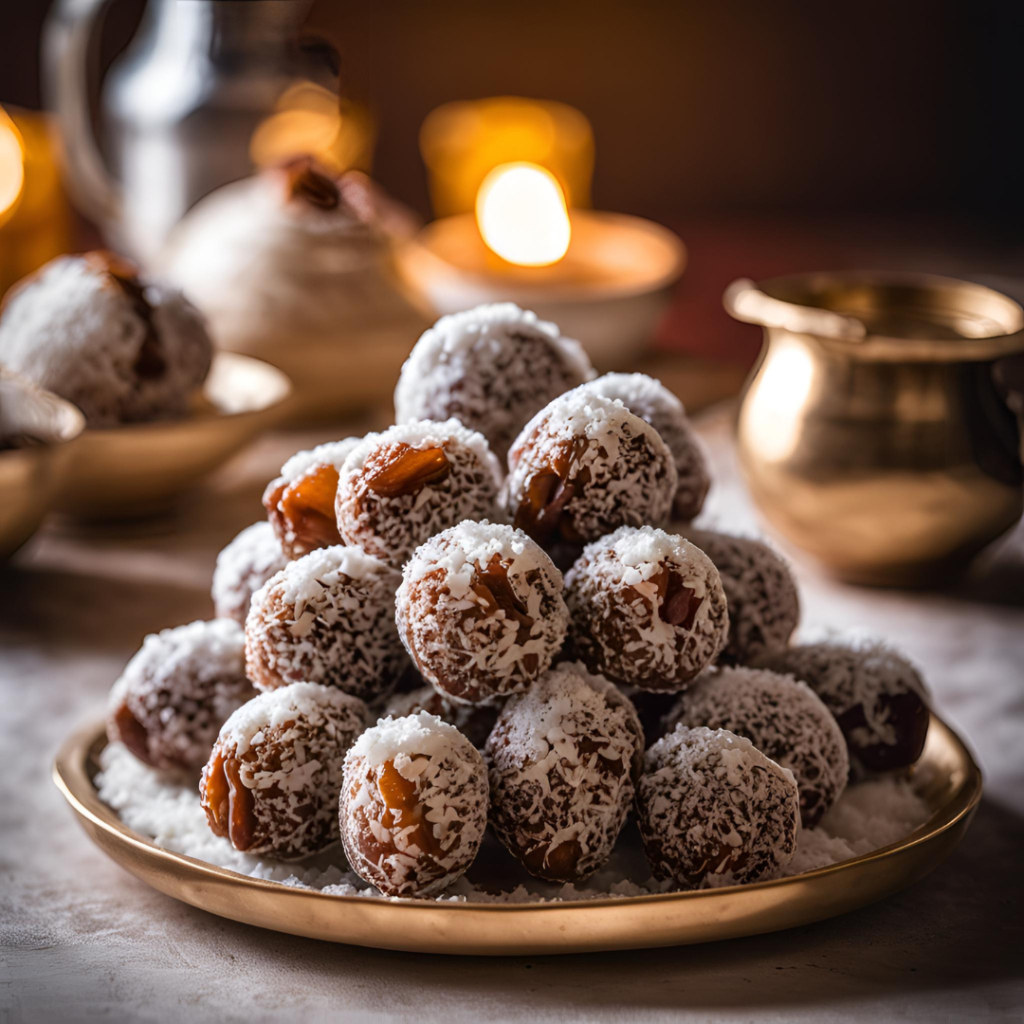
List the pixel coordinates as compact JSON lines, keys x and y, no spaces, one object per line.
{"x":272,"y":782}
{"x":561,"y":758}
{"x":177,"y":691}
{"x":474,"y":721}
{"x":242,"y":568}
{"x":492,"y":368}
{"x":649,"y":399}
{"x":646,"y":609}
{"x":328,"y":617}
{"x":876,"y":695}
{"x":413,"y":805}
{"x":584,"y":466}
{"x":764,"y":605}
{"x":121,"y":348}
{"x":714,"y":811}
{"x":784,"y":719}
{"x":480,"y":611}
{"x":300,"y":501}
{"x":401,"y":487}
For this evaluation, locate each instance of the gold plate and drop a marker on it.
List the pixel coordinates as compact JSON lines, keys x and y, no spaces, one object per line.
{"x":952,"y":791}
{"x":141,"y":467}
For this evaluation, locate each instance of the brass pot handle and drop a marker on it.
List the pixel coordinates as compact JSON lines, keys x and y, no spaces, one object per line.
{"x":743,"y":300}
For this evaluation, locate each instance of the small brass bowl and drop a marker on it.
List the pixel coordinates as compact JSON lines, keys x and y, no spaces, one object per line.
{"x":42,"y":431}
{"x":872,"y":432}
{"x":140,"y":468}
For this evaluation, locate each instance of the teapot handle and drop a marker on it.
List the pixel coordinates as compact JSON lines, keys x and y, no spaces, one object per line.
{"x":68,"y":59}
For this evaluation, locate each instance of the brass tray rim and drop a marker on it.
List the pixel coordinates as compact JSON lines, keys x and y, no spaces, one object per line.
{"x":71,"y":776}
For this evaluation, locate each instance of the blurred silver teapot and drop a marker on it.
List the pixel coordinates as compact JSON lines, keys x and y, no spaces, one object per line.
{"x":179,"y":107}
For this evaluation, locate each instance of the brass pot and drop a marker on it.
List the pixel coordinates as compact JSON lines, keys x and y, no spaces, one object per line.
{"x":872,"y":433}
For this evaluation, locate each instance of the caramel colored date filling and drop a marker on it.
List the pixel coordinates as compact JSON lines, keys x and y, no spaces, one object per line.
{"x":408,"y":470}
{"x":679,"y":604}
{"x":302,"y":512}
{"x":542,"y":510}
{"x":132,"y":733}
{"x":491,"y":584}
{"x":230,"y":806}
{"x":403,"y":809}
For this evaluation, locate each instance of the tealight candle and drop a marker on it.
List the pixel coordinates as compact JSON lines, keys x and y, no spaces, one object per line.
{"x":604,"y":278}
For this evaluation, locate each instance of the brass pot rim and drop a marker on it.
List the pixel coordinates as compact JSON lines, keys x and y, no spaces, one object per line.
{"x":787,"y":303}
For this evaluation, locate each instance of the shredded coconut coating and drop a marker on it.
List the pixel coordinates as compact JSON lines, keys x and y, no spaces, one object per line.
{"x":402,"y":486}
{"x":619,"y":700}
{"x":474,"y":721}
{"x":480,"y":611}
{"x":413,"y":807}
{"x":714,"y":811}
{"x":177,"y":691}
{"x":561,"y":759}
{"x":242,"y":568}
{"x":876,"y":695}
{"x":272,"y":782}
{"x":784,"y":719}
{"x":649,"y":399}
{"x":584,"y":466}
{"x":300,"y":500}
{"x":646,"y":609}
{"x":329,"y":618}
{"x":764,"y":604}
{"x":492,"y":368}
{"x":121,"y":349}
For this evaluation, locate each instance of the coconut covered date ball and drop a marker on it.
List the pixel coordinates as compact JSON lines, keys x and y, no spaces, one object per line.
{"x":413,"y":805}
{"x":328,"y":617}
{"x":715,"y":811}
{"x":480,"y":611}
{"x":242,"y":568}
{"x":584,"y":466}
{"x":649,"y":399}
{"x":492,"y":368}
{"x":400,"y":487}
{"x":272,"y":781}
{"x":122,"y":348}
{"x":561,"y":759}
{"x":782,"y":718}
{"x":300,"y":501}
{"x":646,"y":609}
{"x":177,"y":691}
{"x":764,"y":605}
{"x":474,"y":721}
{"x":877,"y":697}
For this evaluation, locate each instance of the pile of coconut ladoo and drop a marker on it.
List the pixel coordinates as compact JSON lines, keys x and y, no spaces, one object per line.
{"x":398,"y":661}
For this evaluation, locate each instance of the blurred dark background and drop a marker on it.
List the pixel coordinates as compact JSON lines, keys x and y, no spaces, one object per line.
{"x":774,"y":136}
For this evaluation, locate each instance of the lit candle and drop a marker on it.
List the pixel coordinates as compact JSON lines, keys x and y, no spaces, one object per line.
{"x":604,"y":278}
{"x":35,"y":223}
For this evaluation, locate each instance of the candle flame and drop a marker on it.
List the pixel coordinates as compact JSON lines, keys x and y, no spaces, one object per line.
{"x":12,"y":165}
{"x":522,"y":215}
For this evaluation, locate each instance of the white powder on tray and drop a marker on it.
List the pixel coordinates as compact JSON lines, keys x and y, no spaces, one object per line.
{"x":166,"y":809}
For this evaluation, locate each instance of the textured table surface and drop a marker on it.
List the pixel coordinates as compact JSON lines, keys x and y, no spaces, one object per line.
{"x":82,"y":940}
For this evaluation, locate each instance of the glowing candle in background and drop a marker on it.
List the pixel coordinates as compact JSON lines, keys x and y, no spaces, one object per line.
{"x":35,"y":220}
{"x":522,"y":215}
{"x":463,"y":142}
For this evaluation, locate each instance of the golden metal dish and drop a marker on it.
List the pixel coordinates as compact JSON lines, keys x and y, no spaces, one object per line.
{"x":30,"y":473}
{"x":139,"y":468}
{"x":951,"y":784}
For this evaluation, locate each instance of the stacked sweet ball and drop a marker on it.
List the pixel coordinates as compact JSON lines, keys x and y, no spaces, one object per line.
{"x":408,"y":561}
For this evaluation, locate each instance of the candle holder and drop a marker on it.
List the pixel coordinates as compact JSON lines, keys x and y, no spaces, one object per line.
{"x":609,"y":291}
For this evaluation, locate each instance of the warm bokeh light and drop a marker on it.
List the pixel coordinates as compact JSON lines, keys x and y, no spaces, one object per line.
{"x":463,"y":142}
{"x":522,"y":215}
{"x":311,"y":121}
{"x":12,"y":165}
